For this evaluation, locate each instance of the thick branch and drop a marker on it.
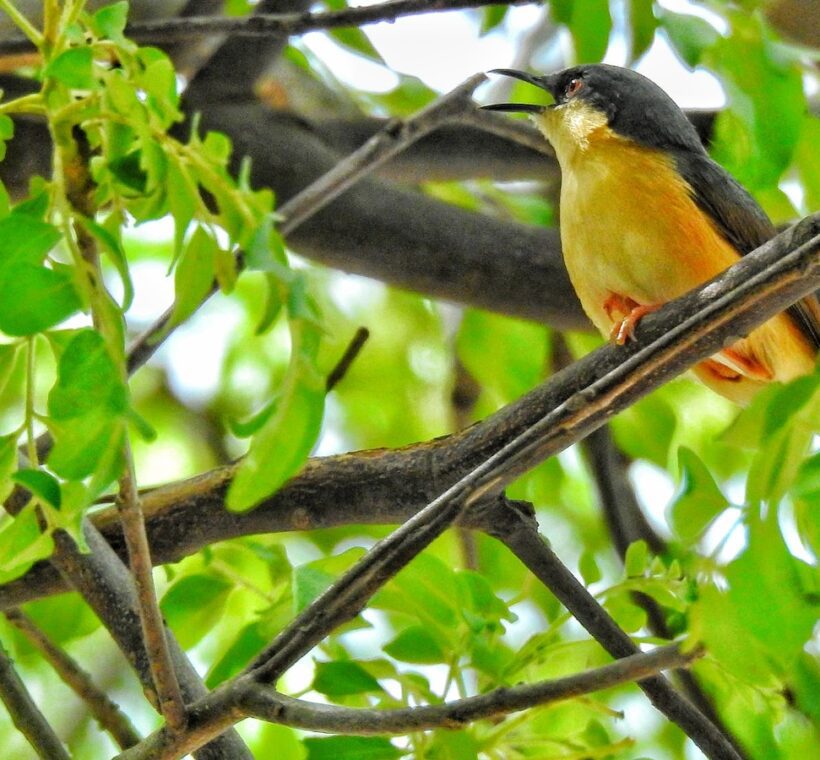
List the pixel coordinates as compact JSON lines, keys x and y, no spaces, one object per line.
{"x":643,"y":370}
{"x":389,"y":486}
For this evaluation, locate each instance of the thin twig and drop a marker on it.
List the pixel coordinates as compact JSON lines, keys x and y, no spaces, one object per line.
{"x":348,"y":357}
{"x":26,"y":715}
{"x":106,"y":712}
{"x":169,"y":696}
{"x":266,"y":704}
{"x":246,"y":698}
{"x":395,"y":137}
{"x":262,"y":25}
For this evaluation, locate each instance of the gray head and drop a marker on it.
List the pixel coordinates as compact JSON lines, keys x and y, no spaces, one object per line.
{"x":634,"y":106}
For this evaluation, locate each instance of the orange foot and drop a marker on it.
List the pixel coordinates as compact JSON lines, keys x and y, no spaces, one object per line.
{"x":630,"y":311}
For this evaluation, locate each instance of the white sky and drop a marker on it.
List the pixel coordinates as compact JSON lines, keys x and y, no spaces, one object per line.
{"x":444,"y":49}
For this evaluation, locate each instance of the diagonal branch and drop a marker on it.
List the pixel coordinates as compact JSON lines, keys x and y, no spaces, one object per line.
{"x":106,"y":712}
{"x":183,"y":517}
{"x":395,"y":137}
{"x":25,"y":714}
{"x":739,"y":300}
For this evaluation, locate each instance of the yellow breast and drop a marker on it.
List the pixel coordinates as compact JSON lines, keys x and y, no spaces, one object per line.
{"x":629,"y":226}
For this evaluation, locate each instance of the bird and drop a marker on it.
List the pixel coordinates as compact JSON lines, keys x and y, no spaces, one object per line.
{"x":646,"y":215}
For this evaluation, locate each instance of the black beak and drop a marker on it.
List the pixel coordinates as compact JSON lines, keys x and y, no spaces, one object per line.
{"x":545,"y":83}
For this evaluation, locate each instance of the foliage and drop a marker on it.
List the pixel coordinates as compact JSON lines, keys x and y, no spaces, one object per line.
{"x":739,"y":573}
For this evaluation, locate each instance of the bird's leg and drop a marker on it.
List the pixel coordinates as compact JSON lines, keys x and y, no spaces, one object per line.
{"x":630,"y":311}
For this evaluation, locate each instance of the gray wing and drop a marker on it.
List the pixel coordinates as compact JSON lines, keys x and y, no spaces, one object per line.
{"x":741,"y":221}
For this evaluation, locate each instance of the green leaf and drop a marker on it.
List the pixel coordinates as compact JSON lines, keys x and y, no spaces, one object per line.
{"x":88,"y":444}
{"x":642,"y":26}
{"x":351,"y":748}
{"x":24,"y":239}
{"x":341,"y":679}
{"x":110,"y":20}
{"x":22,"y":544}
{"x":193,"y":606}
{"x":194,"y":276}
{"x":805,"y":157}
{"x":698,"y":501}
{"x":282,"y":445}
{"x":789,"y":422}
{"x":491,"y":17}
{"x":74,"y":69}
{"x":41,"y":484}
{"x":249,"y":642}
{"x":112,"y":246}
{"x":8,"y":463}
{"x":690,"y":36}
{"x":637,"y":559}
{"x":6,"y":133}
{"x":87,"y":379}
{"x":273,"y":303}
{"x":182,"y":200}
{"x":588,"y":567}
{"x":355,"y":39}
{"x":417,"y":645}
{"x":246,"y":428}
{"x":626,"y":612}
{"x":755,"y":138}
{"x":311,"y":579}
{"x":8,"y":361}
{"x":590,"y":25}
{"x":35,"y":298}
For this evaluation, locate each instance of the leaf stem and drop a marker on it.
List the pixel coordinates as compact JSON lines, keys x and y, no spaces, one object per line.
{"x":22,"y":23}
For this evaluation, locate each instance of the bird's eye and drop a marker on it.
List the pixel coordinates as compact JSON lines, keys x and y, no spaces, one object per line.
{"x":573,"y":87}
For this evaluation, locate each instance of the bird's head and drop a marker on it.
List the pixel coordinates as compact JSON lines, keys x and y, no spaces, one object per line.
{"x":597,"y":97}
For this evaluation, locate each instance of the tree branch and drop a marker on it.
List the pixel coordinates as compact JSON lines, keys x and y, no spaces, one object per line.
{"x":396,"y":136}
{"x":108,"y":588}
{"x":262,"y":25}
{"x":626,"y":523}
{"x":539,"y":558}
{"x":387,"y":486}
{"x":26,"y":715}
{"x":106,"y":712}
{"x":264,"y":703}
{"x":797,"y":274}
{"x":164,"y":678}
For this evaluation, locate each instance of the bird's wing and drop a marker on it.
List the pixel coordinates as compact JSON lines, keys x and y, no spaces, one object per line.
{"x":741,"y":221}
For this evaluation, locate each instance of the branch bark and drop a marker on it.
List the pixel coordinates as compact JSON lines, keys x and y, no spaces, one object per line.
{"x":383,"y":487}
{"x":26,"y":715}
{"x":106,"y":712}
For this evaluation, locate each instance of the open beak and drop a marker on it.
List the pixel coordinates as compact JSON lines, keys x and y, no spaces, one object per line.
{"x":545,"y":83}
